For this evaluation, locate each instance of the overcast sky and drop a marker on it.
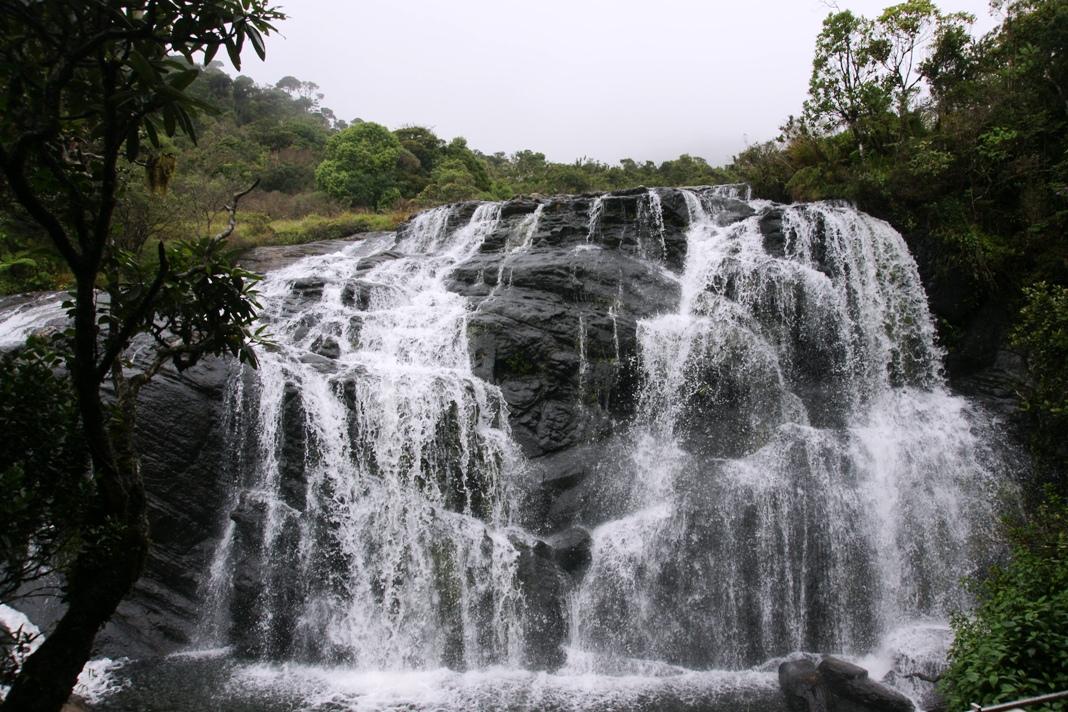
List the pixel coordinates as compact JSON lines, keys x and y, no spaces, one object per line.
{"x":606,"y":79}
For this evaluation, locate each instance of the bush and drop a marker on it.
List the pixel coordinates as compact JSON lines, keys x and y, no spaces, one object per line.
{"x":42,"y":466}
{"x":1042,"y":334}
{"x":1015,"y":645}
{"x":361,"y":165}
{"x":313,"y":228}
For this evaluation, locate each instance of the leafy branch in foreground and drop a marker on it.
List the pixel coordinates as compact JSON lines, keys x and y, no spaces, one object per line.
{"x":83,"y":86}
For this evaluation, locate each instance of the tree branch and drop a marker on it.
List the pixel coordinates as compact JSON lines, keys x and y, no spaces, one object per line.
{"x":231,"y":224}
{"x":133,"y":323}
{"x":14,"y":169}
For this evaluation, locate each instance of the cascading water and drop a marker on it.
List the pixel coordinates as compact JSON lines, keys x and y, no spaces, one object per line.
{"x":776,"y":464}
{"x":375,"y":507}
{"x":801,"y":479}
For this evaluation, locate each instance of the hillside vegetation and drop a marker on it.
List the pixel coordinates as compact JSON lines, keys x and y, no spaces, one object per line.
{"x":959,"y":142}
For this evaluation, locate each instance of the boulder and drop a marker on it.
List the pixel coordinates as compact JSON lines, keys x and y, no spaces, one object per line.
{"x":571,"y":550}
{"x":851,"y":690}
{"x":802,"y":686}
{"x":544,"y":619}
{"x":836,"y":685}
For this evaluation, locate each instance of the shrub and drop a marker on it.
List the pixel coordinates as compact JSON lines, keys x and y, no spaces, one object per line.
{"x":313,"y":228}
{"x":1015,"y":645}
{"x":1042,"y":334}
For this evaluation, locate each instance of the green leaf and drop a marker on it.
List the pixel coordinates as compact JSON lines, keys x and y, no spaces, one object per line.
{"x":150,"y":129}
{"x":184,"y":79}
{"x":143,"y":68}
{"x":209,"y":53}
{"x":169,"y":125}
{"x":235,"y":53}
{"x":133,"y":144}
{"x":257,"y":42}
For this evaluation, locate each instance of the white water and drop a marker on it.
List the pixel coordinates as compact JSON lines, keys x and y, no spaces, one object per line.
{"x":97,"y":680}
{"x":801,"y":478}
{"x":399,"y":557}
{"x":500,"y":689}
{"x":28,"y":317}
{"x":651,"y":221}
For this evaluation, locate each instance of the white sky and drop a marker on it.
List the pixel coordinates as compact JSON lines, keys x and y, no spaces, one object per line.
{"x":606,"y":79}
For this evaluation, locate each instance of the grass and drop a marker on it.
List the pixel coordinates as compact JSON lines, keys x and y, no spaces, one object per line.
{"x":256,"y":230}
{"x":24,"y":273}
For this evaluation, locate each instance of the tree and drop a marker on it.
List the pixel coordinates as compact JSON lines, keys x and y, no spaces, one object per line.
{"x":863,"y":69}
{"x":84,"y":86}
{"x":362,"y":164}
{"x":846,"y":87}
{"x":450,"y":182}
{"x":904,"y":39}
{"x":1015,"y":644}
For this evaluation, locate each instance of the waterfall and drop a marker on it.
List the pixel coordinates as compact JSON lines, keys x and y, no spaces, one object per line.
{"x":695,"y":434}
{"x":800,"y":477}
{"x":22,"y":316}
{"x":371,"y":524}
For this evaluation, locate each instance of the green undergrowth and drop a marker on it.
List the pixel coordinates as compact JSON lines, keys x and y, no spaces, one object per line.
{"x":257,"y":230}
{"x":1015,"y":644}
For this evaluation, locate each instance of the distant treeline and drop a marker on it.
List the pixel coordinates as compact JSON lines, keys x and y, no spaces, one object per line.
{"x":319,"y":176}
{"x":961,"y":143}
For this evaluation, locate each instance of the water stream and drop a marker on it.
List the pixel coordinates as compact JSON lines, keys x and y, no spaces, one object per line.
{"x":797,"y":476}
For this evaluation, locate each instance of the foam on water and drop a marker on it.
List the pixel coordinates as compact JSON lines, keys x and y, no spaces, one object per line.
{"x":801,"y":478}
{"x":29,"y":315}
{"x":320,"y":688}
{"x":97,"y":680}
{"x":402,"y":451}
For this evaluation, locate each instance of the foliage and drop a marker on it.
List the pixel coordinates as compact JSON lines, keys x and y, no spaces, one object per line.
{"x":865,"y":70}
{"x":1042,"y":334}
{"x":316,"y":227}
{"x":450,"y":182}
{"x":1015,"y":645}
{"x":83,"y":88}
{"x":846,"y":87}
{"x":362,"y":164}
{"x":43,"y":466}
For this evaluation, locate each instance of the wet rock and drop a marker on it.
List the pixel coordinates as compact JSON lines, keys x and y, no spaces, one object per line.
{"x":266,"y":259}
{"x":571,"y":549}
{"x":181,"y":437}
{"x":326,"y":346}
{"x":851,"y":690}
{"x":803,"y":686}
{"x":774,"y":237}
{"x":544,"y":621}
{"x":836,"y":685}
{"x":555,"y":324}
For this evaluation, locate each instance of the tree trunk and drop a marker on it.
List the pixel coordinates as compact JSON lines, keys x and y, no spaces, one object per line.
{"x":115,"y":544}
{"x":103,"y":575}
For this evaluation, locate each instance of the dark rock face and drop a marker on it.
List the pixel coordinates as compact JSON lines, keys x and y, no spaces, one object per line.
{"x":836,"y":686}
{"x":544,"y":620}
{"x":554,"y":326}
{"x":571,"y":549}
{"x":852,"y":691}
{"x":802,"y":686}
{"x":181,"y":428}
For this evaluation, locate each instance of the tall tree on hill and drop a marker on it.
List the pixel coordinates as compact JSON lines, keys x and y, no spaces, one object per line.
{"x":846,"y":87}
{"x":83,"y":84}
